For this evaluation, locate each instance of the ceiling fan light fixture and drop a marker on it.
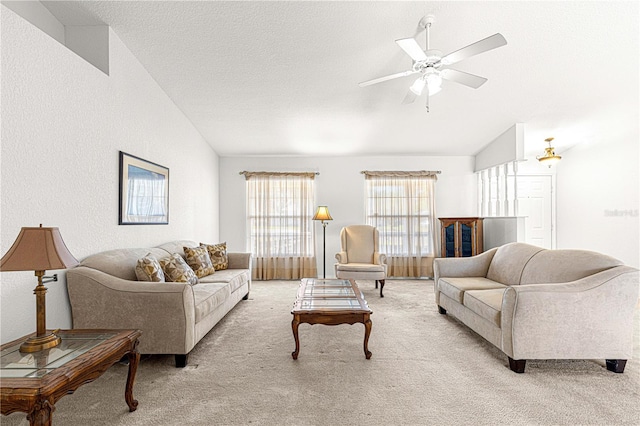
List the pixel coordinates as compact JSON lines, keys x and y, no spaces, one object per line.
{"x":549,"y":158}
{"x":418,"y":86}
{"x":434,"y":81}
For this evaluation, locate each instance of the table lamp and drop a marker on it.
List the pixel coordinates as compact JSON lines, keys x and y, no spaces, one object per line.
{"x":322,"y":214}
{"x":39,"y":249}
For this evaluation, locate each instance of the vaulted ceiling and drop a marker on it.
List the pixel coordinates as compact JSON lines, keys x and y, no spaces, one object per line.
{"x":281,"y":78}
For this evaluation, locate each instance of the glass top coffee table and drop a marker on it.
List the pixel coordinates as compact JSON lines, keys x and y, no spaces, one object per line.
{"x":330,"y":302}
{"x":34,"y":382}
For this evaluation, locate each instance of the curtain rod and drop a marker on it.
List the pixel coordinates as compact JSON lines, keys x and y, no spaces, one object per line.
{"x":244,"y":172}
{"x":403,"y":171}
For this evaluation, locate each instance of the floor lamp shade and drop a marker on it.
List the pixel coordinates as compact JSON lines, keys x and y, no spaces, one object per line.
{"x":322,"y":214}
{"x":39,"y":249}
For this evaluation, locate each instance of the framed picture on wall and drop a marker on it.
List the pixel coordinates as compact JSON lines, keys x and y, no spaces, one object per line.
{"x":144,"y":192}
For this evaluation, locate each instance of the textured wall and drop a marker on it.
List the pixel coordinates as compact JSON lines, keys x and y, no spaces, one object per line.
{"x":599,"y":195}
{"x":341,"y":187}
{"x":63,"y":123}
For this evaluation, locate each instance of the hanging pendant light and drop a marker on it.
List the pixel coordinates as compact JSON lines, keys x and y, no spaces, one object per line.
{"x":549,"y":158}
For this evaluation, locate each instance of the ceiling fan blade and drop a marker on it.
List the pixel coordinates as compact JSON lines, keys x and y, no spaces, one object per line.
{"x":467,"y":79}
{"x":476,"y":48}
{"x":385,"y":78}
{"x":412,"y":48}
{"x":409,"y":98}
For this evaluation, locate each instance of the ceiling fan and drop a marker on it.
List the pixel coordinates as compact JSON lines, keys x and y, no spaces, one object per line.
{"x":429,"y":64}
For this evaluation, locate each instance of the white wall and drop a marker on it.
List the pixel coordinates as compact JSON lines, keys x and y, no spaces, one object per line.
{"x":36,"y":13}
{"x":507,"y":147}
{"x":340,"y":186}
{"x":597,"y":180}
{"x":63,"y":123}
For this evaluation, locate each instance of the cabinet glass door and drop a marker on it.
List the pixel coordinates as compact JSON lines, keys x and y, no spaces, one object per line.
{"x":466,"y":249}
{"x":450,"y":240}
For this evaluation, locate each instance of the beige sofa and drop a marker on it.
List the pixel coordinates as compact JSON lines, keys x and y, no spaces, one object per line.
{"x":533,"y":303}
{"x":104,"y":293}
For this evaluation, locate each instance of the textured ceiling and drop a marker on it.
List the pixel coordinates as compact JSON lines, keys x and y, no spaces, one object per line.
{"x":280,"y":78}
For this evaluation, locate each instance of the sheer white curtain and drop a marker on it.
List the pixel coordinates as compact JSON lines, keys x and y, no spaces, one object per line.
{"x":146,"y":198}
{"x":402,"y":206}
{"x":280,"y":230}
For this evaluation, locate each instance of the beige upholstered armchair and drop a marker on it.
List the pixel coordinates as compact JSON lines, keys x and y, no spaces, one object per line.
{"x":359,"y":257}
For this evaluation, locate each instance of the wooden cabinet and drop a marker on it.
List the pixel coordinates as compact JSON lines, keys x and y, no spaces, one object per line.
{"x":461,"y":236}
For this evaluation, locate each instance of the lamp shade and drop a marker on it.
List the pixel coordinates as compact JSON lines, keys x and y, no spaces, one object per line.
{"x":322,"y":214}
{"x":38,"y":249}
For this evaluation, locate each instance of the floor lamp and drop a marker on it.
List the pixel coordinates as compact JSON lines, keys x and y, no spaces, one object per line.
{"x":322,"y":214}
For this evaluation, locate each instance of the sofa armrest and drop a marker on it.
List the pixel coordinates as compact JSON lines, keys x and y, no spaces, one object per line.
{"x":239,"y":260}
{"x":164,"y":312}
{"x":475,"y":266}
{"x":591,"y":318}
{"x":341,"y":257}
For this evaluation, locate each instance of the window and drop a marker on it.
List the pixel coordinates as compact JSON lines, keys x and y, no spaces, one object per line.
{"x":280,"y":232}
{"x":401,"y":206}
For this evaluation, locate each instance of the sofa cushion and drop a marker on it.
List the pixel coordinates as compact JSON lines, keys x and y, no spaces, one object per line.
{"x":509,"y":262}
{"x":218,"y":255}
{"x":455,"y":288}
{"x":486,"y":303}
{"x":177,"y":247}
{"x":176,"y":270}
{"x":234,"y":278}
{"x":359,"y":267}
{"x":561,"y":266}
{"x":198,"y":259}
{"x":208,"y":296}
{"x":121,"y":263}
{"x":148,"y":269}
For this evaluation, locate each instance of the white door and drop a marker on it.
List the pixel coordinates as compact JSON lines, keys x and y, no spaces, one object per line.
{"x":534,"y":203}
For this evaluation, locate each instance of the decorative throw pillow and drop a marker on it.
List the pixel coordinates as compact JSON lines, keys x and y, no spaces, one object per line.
{"x":176,"y":270}
{"x":148,"y":269}
{"x":218,"y":255}
{"x":199,"y":260}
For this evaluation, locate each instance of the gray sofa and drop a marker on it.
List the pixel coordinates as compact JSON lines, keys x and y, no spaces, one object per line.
{"x":104,"y":293}
{"x":533,"y":303}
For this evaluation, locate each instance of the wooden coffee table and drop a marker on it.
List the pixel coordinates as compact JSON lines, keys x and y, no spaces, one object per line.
{"x":330,"y":302}
{"x":34,"y":382}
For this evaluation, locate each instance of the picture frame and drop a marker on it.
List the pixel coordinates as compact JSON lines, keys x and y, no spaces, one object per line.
{"x":144,"y":192}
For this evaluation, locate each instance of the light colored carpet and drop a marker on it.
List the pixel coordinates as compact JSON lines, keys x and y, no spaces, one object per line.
{"x":426,"y":369}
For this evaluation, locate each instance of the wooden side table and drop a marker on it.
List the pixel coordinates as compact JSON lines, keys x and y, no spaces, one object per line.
{"x":34,"y":382}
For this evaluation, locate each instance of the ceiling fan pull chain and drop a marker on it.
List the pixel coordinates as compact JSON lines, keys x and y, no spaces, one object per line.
{"x":427,"y":105}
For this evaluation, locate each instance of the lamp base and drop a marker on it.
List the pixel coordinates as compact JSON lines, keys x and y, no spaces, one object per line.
{"x":39,"y":343}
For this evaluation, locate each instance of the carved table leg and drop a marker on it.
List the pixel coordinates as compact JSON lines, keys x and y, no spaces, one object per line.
{"x":41,"y":414}
{"x":367,"y":332}
{"x":134,"y":359}
{"x":294,"y":326}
